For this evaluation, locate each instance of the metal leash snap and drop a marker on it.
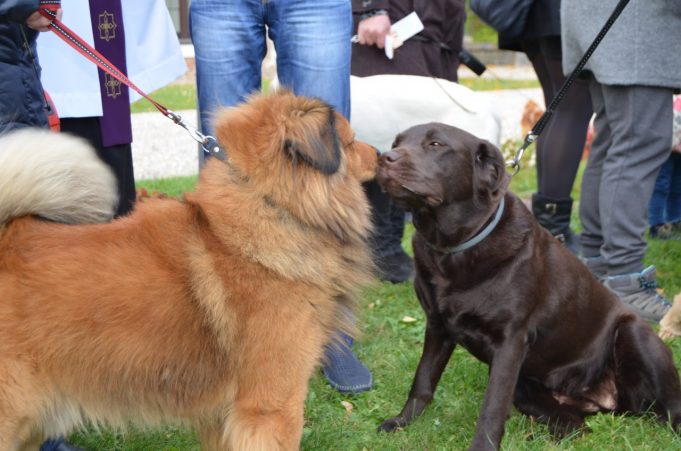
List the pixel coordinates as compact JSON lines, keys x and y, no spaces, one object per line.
{"x":515,"y":162}
{"x":208,"y":143}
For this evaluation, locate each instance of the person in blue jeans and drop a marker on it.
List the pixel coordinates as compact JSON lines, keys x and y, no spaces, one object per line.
{"x":664,"y":210}
{"x":312,"y":42}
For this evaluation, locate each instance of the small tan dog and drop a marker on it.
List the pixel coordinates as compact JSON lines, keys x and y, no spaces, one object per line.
{"x":670,"y":324}
{"x":531,"y":114}
{"x":212,"y":311}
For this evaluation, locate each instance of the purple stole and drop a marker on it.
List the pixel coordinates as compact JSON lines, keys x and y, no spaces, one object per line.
{"x":109,"y":36}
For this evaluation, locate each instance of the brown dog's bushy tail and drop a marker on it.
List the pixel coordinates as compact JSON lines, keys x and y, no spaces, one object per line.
{"x":55,"y":176}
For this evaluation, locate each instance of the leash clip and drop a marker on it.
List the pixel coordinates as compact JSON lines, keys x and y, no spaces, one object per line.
{"x":515,"y":162}
{"x":208,"y":143}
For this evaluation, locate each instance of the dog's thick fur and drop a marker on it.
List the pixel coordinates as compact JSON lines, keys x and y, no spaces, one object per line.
{"x":670,"y":324}
{"x":63,"y":181}
{"x":212,"y":311}
{"x":532,"y":112}
{"x":560,"y":345}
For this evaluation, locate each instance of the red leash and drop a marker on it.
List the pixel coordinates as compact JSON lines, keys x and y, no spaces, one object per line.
{"x":49,"y":10}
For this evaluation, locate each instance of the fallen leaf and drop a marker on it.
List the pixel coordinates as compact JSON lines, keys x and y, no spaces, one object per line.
{"x":408,"y":319}
{"x":348,"y":406}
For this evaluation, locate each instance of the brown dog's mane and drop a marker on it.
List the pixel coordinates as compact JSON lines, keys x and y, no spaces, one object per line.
{"x":213,"y":310}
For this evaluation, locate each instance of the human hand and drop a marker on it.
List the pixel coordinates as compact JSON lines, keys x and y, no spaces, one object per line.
{"x":373,"y":30}
{"x":38,"y":22}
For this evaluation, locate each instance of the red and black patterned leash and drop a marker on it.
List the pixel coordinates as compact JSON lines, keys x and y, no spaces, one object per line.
{"x":48,"y":8}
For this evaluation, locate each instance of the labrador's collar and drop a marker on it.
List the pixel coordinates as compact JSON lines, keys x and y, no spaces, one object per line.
{"x":476,"y":239}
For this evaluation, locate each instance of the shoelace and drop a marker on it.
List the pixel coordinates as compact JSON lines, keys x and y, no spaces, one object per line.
{"x":651,"y":286}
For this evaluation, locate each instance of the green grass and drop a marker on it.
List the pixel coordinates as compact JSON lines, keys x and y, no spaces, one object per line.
{"x":175,"y":97}
{"x":391,"y":348}
{"x":494,"y":84}
{"x":479,"y":31}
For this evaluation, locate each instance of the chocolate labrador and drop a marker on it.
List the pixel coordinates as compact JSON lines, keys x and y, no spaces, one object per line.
{"x":558,"y":344}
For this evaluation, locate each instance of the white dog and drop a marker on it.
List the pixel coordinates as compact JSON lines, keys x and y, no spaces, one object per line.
{"x":385,"y":105}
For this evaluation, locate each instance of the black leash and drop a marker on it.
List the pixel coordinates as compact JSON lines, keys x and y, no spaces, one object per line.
{"x":539,"y":126}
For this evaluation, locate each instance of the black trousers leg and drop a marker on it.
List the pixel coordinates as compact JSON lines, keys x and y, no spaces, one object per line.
{"x":118,"y":158}
{"x":388,"y":221}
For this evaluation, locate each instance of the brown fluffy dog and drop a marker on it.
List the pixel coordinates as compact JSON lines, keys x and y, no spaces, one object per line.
{"x":212,"y":311}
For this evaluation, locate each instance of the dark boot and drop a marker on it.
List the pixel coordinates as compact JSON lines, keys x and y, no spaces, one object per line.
{"x":392,"y":263}
{"x":554,"y":216}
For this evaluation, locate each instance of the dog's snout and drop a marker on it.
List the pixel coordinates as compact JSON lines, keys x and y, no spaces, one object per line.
{"x":390,"y":156}
{"x":378,"y":152}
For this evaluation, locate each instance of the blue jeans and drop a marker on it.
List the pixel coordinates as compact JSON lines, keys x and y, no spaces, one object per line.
{"x":311,"y":37}
{"x":665,"y":203}
{"x":51,"y":445}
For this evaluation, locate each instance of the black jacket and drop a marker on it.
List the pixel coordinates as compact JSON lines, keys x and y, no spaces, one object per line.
{"x":22,"y":102}
{"x":543,"y":21}
{"x":433,"y":52}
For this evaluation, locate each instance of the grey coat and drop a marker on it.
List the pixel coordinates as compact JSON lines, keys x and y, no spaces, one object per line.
{"x":643,"y":47}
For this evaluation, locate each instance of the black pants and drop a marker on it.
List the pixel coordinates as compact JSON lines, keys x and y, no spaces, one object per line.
{"x":119,"y":158}
{"x":560,"y":148}
{"x":388,"y":221}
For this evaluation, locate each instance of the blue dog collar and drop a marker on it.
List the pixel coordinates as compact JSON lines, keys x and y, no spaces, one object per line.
{"x":477,"y":238}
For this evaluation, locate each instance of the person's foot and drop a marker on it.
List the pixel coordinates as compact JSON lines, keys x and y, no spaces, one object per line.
{"x":395,"y":268}
{"x":65,"y":446}
{"x":667,"y":231}
{"x":638,"y":292}
{"x":344,"y":371}
{"x":58,"y":444}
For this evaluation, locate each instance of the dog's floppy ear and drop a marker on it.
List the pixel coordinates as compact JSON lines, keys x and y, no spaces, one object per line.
{"x":491,"y":170}
{"x":312,"y":138}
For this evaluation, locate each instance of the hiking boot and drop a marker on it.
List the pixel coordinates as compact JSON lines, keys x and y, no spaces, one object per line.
{"x":554,"y":216}
{"x":597,"y":266}
{"x":395,"y":268}
{"x":638,"y":292}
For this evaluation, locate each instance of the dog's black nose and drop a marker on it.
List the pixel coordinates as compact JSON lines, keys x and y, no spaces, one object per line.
{"x":378,"y":152}
{"x":390,"y":157}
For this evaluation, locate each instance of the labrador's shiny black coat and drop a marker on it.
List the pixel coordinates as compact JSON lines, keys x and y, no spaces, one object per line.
{"x":559,"y":345}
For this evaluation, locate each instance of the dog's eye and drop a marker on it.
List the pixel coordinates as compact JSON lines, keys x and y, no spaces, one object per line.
{"x":435,"y":144}
{"x":479,"y":157}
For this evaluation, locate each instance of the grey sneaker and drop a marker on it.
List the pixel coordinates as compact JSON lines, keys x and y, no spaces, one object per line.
{"x":637,"y":291}
{"x":597,"y":266}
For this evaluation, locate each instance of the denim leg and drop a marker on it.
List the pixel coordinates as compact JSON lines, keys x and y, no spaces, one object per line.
{"x":229,"y":44}
{"x":51,"y":444}
{"x":312,"y":39}
{"x":674,"y":198}
{"x":661,"y":194}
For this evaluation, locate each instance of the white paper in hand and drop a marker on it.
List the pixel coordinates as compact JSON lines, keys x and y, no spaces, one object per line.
{"x":388,"y":46}
{"x":405,"y":28}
